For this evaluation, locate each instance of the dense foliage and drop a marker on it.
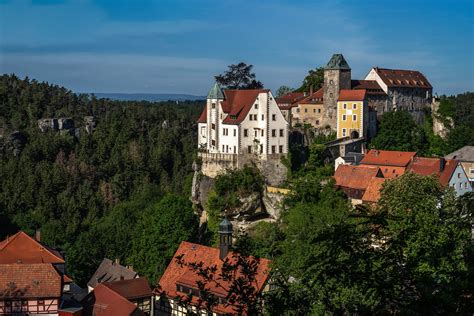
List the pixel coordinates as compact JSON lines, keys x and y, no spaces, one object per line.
{"x":88,"y":193}
{"x":313,"y":80}
{"x":398,"y":131}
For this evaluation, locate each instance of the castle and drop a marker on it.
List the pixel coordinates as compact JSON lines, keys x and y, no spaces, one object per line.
{"x":239,"y":127}
{"x":351,"y":107}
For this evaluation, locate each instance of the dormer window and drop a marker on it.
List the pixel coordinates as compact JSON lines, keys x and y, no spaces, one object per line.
{"x":213,"y":105}
{"x":256,"y":106}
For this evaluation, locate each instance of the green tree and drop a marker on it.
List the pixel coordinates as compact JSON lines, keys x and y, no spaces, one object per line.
{"x":239,"y":76}
{"x":314,"y":79}
{"x":398,"y":131}
{"x":158,"y":234}
{"x":283,"y":90}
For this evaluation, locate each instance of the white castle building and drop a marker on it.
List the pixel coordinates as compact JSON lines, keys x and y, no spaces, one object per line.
{"x":239,"y":127}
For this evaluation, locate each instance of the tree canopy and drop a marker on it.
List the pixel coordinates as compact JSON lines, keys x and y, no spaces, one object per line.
{"x":314,"y":79}
{"x":239,"y":76}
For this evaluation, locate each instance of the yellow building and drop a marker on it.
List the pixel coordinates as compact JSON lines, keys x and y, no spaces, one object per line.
{"x":352,"y":114}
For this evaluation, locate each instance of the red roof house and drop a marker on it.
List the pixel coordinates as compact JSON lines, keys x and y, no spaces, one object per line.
{"x":372,"y":193}
{"x":391,"y":163}
{"x":352,"y":95}
{"x":354,"y":180}
{"x":440,"y":167}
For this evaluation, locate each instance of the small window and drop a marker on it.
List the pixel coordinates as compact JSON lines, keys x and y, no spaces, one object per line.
{"x":314,"y":110}
{"x":460,"y":185}
{"x":246,"y":133}
{"x":249,"y":148}
{"x":263,"y":133}
{"x":297,"y":110}
{"x":251,"y":117}
{"x":319,"y":110}
{"x":274,"y":132}
{"x":354,"y":106}
{"x":471,"y":171}
{"x":306,"y":110}
{"x":263,"y":117}
{"x":343,"y":132}
{"x":274,"y":117}
{"x":255,"y":133}
{"x":256,"y":106}
{"x":459,"y":175}
{"x":222,"y":148}
{"x":213,"y":126}
{"x":343,"y":117}
{"x":235,"y":150}
{"x":317,"y":122}
{"x":345,"y":106}
{"x":331,"y":82}
{"x":282,"y":133}
{"x":235,"y":132}
{"x":330,"y":95}
{"x":261,"y":149}
{"x":280,"y":148}
{"x":213,"y":105}
{"x":273,"y":149}
{"x":354,"y":117}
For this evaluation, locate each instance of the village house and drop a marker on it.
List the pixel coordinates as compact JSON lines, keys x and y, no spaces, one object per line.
{"x":179,"y":281}
{"x":350,"y":158}
{"x":465,"y":156}
{"x":239,"y":127}
{"x":309,"y":110}
{"x":448,"y":171}
{"x":287,"y":102}
{"x":33,"y":277}
{"x":125,"y":297}
{"x":109,"y":271}
{"x":354,"y":180}
{"x":391,"y":163}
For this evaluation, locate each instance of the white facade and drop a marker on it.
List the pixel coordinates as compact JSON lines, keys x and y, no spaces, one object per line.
{"x":263,"y":130}
{"x":459,"y":181}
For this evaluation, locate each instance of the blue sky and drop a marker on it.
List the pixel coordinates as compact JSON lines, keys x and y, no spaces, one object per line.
{"x":177,"y":46}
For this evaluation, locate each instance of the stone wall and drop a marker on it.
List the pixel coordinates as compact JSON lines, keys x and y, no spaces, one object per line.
{"x":413,"y":100}
{"x":439,"y":127}
{"x":270,"y":165}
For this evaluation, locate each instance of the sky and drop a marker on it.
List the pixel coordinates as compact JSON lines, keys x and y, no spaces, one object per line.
{"x":177,"y":46}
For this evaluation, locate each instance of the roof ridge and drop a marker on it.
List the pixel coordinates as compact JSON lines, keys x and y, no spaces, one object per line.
{"x":9,"y":239}
{"x":116,"y":293}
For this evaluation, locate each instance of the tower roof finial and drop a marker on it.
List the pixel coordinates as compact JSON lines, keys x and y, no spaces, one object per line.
{"x":215,"y":92}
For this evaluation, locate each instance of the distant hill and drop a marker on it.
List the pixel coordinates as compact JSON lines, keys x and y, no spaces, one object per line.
{"x":148,"y":96}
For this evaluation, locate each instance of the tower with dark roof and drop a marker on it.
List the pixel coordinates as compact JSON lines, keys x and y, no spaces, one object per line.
{"x":337,"y":76}
{"x":225,"y":238}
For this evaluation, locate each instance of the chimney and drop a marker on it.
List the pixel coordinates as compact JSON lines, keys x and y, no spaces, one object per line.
{"x":117,"y":261}
{"x":442,"y":164}
{"x":38,"y":235}
{"x":225,"y":238}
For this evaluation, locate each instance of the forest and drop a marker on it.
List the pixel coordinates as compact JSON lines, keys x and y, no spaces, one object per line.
{"x":122,"y":191}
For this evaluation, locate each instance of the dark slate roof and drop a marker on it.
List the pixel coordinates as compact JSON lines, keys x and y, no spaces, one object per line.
{"x":109,"y":271}
{"x":225,"y":226}
{"x":464,"y":154}
{"x":354,"y":158}
{"x":337,"y":62}
{"x":215,"y":92}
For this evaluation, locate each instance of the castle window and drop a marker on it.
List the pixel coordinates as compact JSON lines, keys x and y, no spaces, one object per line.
{"x":249,"y":148}
{"x":213,"y":105}
{"x":306,"y":110}
{"x":274,"y":117}
{"x":319,"y":110}
{"x":297,"y":110}
{"x":274,"y":132}
{"x":354,"y":106}
{"x":345,"y":106}
{"x":331,"y":81}
{"x":314,"y":110}
{"x":263,"y":117}
{"x":281,"y":133}
{"x":344,"y":132}
{"x":246,"y":133}
{"x":263,"y":133}
{"x":235,"y":132}
{"x":280,"y":148}
{"x":213,"y":126}
{"x":343,"y":117}
{"x":330,"y":95}
{"x":317,"y":122}
{"x":255,"y":133}
{"x":273,"y":149}
{"x":213,"y":142}
{"x":235,"y":150}
{"x":226,"y":131}
{"x":251,"y":117}
{"x":261,"y":149}
{"x":256,"y":106}
{"x":354,"y":117}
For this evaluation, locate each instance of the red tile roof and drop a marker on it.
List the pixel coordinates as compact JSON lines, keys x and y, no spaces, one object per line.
{"x":21,"y":248}
{"x":289,"y":100}
{"x":209,"y":256}
{"x":315,"y":98}
{"x":355,"y":177}
{"x":35,"y":280}
{"x":388,"y":158}
{"x":371,"y":86}
{"x":203,"y":116}
{"x":351,"y":95}
{"x":403,"y":78}
{"x":104,"y":301}
{"x":391,"y":171}
{"x":429,"y":166}
{"x":237,"y":104}
{"x":372,"y":193}
{"x":130,"y":289}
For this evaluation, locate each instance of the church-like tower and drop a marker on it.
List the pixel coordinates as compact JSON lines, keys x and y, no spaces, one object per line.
{"x":225,"y":238}
{"x":337,"y":76}
{"x":214,"y":97}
